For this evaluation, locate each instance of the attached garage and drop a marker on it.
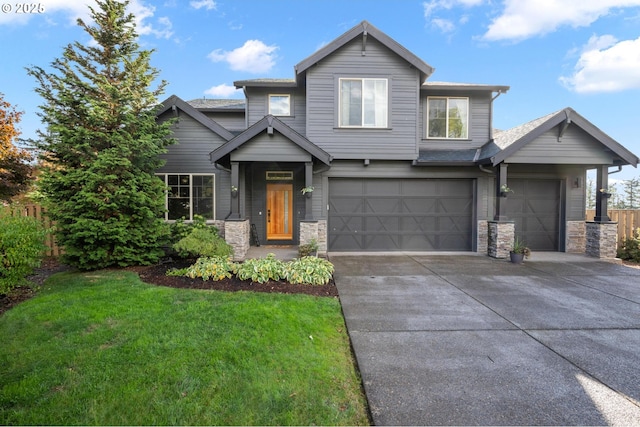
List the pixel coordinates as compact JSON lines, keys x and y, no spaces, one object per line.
{"x":400,"y":214}
{"x":534,"y":205}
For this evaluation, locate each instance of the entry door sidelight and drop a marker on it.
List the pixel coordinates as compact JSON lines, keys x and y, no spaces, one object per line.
{"x":279,"y":211}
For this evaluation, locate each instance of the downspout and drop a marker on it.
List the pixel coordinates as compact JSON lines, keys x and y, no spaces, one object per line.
{"x":485,"y":170}
{"x":619,"y":170}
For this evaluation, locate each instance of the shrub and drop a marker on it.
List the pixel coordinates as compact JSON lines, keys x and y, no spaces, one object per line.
{"x":630,"y":249}
{"x":203,"y":242}
{"x":21,"y":249}
{"x":211,"y":268}
{"x":261,"y":270}
{"x":310,"y":248}
{"x":309,"y":270}
{"x":180,"y":229}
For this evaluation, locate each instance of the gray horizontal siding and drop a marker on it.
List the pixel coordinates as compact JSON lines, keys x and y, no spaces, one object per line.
{"x":270,"y":148}
{"x":399,"y":141}
{"x":191,"y":156}
{"x":258,"y":106}
{"x":479,"y":122}
{"x":576,"y":147}
{"x":232,"y":121}
{"x":191,"y":153}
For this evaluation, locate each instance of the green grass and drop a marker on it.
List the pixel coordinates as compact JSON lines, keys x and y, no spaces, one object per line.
{"x":103,"y":348}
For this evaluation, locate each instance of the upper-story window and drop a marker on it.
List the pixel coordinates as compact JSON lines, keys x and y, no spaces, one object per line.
{"x":447,"y":117}
{"x":280,"y":105}
{"x":363,"y":103}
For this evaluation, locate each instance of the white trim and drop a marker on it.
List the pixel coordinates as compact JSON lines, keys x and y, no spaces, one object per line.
{"x":165,"y":175}
{"x":287,"y":95}
{"x":363,"y":126}
{"x":447,"y":98}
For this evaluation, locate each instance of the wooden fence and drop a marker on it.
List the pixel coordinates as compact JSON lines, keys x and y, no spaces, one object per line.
{"x":36,"y":211}
{"x":628,"y":221}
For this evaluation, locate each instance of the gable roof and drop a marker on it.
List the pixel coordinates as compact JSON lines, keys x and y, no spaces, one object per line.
{"x":175,"y":103}
{"x":209,"y":104}
{"x":506,"y":143}
{"x":365,"y":29}
{"x":263,"y":125}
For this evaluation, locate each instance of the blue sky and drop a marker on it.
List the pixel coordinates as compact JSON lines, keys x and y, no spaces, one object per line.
{"x":583,"y":54}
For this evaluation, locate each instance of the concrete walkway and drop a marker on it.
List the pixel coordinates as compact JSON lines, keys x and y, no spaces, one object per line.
{"x":469,"y":340}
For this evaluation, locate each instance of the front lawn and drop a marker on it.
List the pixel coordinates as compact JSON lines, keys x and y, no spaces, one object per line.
{"x":103,"y":348}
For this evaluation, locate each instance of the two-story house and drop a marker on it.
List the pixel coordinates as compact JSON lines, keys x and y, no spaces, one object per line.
{"x":361,"y":151}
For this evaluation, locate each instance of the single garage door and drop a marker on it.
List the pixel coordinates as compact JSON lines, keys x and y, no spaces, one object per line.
{"x":400,"y":214}
{"x":534,"y":205}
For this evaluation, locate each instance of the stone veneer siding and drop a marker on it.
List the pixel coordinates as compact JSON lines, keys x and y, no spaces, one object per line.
{"x":483,"y":237}
{"x":576,"y":238}
{"x":602,"y":239}
{"x":317,"y":230}
{"x":501,"y":236}
{"x":237,"y":234}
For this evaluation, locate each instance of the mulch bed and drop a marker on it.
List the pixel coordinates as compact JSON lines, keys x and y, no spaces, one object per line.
{"x":156,"y":274}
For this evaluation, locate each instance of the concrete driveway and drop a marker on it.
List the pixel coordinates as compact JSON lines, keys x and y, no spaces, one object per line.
{"x":470,"y":340}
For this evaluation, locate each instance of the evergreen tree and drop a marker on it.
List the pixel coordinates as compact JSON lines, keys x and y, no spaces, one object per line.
{"x":591,"y":194}
{"x":631,"y":189}
{"x":102,"y":144}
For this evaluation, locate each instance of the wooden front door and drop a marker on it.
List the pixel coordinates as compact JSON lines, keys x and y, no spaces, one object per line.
{"x":279,"y":211}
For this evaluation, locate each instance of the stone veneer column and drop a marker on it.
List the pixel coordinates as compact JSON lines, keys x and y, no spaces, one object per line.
{"x":310,"y":230}
{"x":501,"y":236}
{"x":483,"y":237}
{"x":237,"y":234}
{"x":575,"y":241}
{"x":602,"y":239}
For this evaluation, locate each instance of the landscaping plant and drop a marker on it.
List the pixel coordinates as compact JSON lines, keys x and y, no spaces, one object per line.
{"x":211,"y":268}
{"x":203,"y":242}
{"x":21,"y":248}
{"x":261,"y":270}
{"x":630,"y":249}
{"x":100,"y":149}
{"x":309,"y":270}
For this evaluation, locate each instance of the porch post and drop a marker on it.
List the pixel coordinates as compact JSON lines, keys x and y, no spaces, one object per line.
{"x":602,"y":200}
{"x":501,"y":179}
{"x":235,"y":199}
{"x":308,"y":182}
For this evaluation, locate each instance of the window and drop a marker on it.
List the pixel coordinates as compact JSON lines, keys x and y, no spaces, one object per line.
{"x":189,"y":195}
{"x":363,"y":103}
{"x":280,"y":105}
{"x":448,"y":118}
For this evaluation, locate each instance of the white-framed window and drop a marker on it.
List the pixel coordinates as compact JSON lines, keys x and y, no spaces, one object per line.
{"x":447,"y":117}
{"x":364,"y":102}
{"x":280,"y":105}
{"x":188,"y":195}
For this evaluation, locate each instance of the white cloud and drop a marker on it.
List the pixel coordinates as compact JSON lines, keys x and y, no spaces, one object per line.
{"x":72,"y":10}
{"x":444,"y":25}
{"x":222,"y":90}
{"x":207,"y":4}
{"x":522,"y":19}
{"x":433,"y":8}
{"x":254,"y":57}
{"x":606,"y":65}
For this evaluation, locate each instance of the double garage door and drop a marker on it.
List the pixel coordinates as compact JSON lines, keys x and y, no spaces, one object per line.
{"x":400,"y":214}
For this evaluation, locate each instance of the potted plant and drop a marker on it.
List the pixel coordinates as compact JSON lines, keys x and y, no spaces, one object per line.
{"x":519,"y":252}
{"x":505,"y":190}
{"x":307,"y":191}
